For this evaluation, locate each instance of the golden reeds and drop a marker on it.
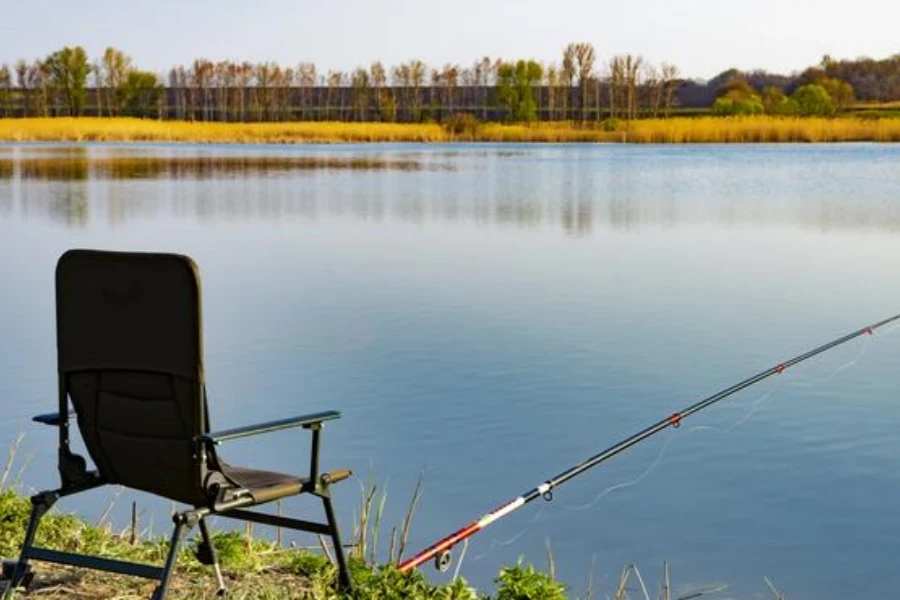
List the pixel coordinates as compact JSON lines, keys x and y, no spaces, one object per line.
{"x":662,"y":131}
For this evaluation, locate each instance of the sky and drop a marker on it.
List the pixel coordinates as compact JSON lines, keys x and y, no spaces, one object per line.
{"x":701,"y":37}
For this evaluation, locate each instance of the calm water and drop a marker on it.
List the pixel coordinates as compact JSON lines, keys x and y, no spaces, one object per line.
{"x":490,"y":315}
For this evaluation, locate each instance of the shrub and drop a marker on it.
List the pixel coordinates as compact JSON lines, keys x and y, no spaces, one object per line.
{"x":612,"y":124}
{"x":525,"y":583}
{"x":464,"y":125}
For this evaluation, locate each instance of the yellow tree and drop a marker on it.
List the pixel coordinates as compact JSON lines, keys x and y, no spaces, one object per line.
{"x":115,"y":65}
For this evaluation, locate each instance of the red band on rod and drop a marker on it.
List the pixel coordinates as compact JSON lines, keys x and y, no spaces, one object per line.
{"x":779,"y":369}
{"x":446,"y":543}
{"x":868,"y":330}
{"x":675,"y":419}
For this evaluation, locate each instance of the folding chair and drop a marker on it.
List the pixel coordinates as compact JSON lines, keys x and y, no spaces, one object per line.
{"x":130,"y":360}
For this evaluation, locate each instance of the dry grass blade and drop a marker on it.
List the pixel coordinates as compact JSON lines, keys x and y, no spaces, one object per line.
{"x":109,"y":507}
{"x":640,"y":579}
{"x":393,"y":544}
{"x":407,"y":521}
{"x":551,"y":564}
{"x":367,"y":496}
{"x":376,"y":525}
{"x":667,"y":583}
{"x":778,"y":595}
{"x":589,"y":594}
{"x":11,"y":457}
{"x":324,"y":545}
{"x":622,"y":589}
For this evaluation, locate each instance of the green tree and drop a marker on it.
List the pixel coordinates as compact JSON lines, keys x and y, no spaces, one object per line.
{"x":737,"y":90}
{"x":515,"y":84}
{"x":772,"y":97}
{"x":139,"y":94}
{"x":841,"y":92}
{"x":68,"y":69}
{"x":726,"y":106}
{"x":813,"y":101}
{"x":787,"y":107}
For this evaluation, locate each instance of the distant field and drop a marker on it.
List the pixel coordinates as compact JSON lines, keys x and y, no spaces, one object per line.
{"x":876,"y":105}
{"x":674,"y":130}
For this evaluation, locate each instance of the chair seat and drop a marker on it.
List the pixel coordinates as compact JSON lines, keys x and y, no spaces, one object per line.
{"x":265,"y":486}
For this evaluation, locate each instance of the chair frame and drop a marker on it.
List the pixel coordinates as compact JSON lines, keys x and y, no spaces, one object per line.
{"x":76,"y":478}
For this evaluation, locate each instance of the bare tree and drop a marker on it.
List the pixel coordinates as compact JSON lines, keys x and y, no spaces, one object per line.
{"x":654,"y":85}
{"x":359,"y":84}
{"x":568,"y":76}
{"x":402,"y":78}
{"x":378,"y":78}
{"x":632,"y":76}
{"x":335,"y":82}
{"x":450,"y":82}
{"x":584,"y":59}
{"x":306,"y":77}
{"x":201,"y":77}
{"x":244,"y":81}
{"x":670,"y":85}
{"x":417,"y":70}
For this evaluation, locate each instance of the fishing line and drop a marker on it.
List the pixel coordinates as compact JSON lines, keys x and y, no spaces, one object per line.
{"x":440,"y":550}
{"x":495,"y":543}
{"x":462,"y":557}
{"x":754,"y":408}
{"x":623,"y":485}
{"x":853,"y":362}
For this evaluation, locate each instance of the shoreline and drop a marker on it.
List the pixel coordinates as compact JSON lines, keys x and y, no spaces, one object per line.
{"x":677,"y":130}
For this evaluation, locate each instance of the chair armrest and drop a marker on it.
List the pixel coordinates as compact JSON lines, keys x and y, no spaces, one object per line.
{"x":52,"y":418}
{"x":305,"y":421}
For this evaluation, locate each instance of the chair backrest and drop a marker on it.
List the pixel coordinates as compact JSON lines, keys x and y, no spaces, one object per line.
{"x":130,"y":358}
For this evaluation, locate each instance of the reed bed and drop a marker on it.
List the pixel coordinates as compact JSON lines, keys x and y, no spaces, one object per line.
{"x":140,"y":130}
{"x":725,"y":130}
{"x":679,"y":130}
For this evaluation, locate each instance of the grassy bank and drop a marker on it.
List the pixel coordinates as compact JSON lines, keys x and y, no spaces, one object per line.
{"x":675,"y":130}
{"x":253,"y":568}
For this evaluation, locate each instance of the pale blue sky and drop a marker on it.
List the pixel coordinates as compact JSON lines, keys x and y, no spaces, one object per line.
{"x":702,"y":37}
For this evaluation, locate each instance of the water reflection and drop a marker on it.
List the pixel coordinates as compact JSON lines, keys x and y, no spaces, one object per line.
{"x":567,"y":189}
{"x":74,"y":167}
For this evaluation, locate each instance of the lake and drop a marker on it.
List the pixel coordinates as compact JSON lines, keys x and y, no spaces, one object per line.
{"x":487,"y":316}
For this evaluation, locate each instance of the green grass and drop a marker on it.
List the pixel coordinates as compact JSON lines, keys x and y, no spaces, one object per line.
{"x":254,"y":568}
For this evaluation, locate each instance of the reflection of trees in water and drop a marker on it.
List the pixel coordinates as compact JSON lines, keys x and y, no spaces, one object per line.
{"x":67,"y":204}
{"x":71,"y":203}
{"x":577,"y":198}
{"x":69,"y":166}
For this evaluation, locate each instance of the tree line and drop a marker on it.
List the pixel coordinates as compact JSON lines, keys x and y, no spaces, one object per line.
{"x":578,"y":87}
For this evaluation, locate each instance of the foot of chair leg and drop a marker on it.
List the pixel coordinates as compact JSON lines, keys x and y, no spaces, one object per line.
{"x":206,"y":554}
{"x":344,"y":581}
{"x":180,"y":529}
{"x":14,"y":578}
{"x":22,"y":574}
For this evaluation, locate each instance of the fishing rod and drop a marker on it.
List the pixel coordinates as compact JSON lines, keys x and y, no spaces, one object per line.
{"x":440,"y":550}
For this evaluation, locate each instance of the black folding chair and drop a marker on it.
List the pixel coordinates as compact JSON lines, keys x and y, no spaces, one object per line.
{"x":130,"y":360}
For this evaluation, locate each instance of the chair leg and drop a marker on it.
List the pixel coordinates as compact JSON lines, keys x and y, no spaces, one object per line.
{"x":177,"y":536}
{"x":21,"y":575}
{"x":344,"y":581}
{"x":208,"y":555}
